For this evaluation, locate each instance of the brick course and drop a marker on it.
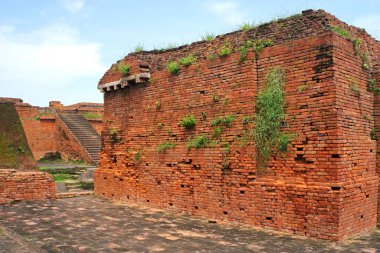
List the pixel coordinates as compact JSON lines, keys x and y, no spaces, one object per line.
{"x":325,"y":186}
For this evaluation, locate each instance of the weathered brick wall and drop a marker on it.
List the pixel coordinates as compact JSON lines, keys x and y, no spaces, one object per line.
{"x":324,"y":186}
{"x":377,"y":129}
{"x":25,"y":186}
{"x":40,"y":129}
{"x":97,"y":124}
{"x":69,"y":147}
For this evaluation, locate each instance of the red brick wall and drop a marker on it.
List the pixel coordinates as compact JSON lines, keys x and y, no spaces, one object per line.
{"x":377,"y":128}
{"x":25,"y":186}
{"x":69,"y":147}
{"x":97,"y":124}
{"x":325,"y":186}
{"x":39,"y":127}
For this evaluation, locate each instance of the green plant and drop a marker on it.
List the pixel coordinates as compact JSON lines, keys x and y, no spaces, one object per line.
{"x":173,"y":67}
{"x":223,"y":121}
{"x":354,"y":86}
{"x":225,"y":50}
{"x":61,"y":177}
{"x":158,"y":105}
{"x":372,"y":134}
{"x":139,"y":48}
{"x":208,"y":36}
{"x":356,"y":42}
{"x":302,"y":88}
{"x":341,"y":31}
{"x":284,"y":140}
{"x":246,"y":120}
{"x":227,"y":148}
{"x":113,"y":132}
{"x":246,"y":26}
{"x":217,"y":132}
{"x":372,"y":86}
{"x":188,"y":122}
{"x":197,"y":142}
{"x":365,"y":61}
{"x":212,"y":56}
{"x":259,"y":45}
{"x":123,"y":68}
{"x":188,"y":60}
{"x":160,"y":125}
{"x":269,"y":117}
{"x":162,"y":147}
{"x":243,"y":50}
{"x":215,"y":98}
{"x":137,"y":157}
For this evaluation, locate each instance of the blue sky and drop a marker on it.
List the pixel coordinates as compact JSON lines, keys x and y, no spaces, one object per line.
{"x":59,"y":49}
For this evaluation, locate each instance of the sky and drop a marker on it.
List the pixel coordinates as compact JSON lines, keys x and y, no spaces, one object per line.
{"x":59,"y":49}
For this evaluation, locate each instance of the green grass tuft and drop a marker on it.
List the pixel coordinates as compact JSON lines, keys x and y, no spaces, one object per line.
{"x":123,"y":68}
{"x":162,"y":147}
{"x":92,"y":115}
{"x":188,"y":60}
{"x":223,"y":121}
{"x":198,"y":142}
{"x":208,"y":36}
{"x":246,"y":26}
{"x":225,"y":50}
{"x":173,"y":67}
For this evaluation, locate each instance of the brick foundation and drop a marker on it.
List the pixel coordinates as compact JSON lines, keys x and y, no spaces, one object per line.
{"x":33,"y":185}
{"x":325,"y":186}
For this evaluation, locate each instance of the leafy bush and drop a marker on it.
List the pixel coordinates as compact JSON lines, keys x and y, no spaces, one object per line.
{"x":188,"y":122}
{"x":173,"y":67}
{"x":188,"y":60}
{"x":246,"y":26}
{"x":198,"y":142}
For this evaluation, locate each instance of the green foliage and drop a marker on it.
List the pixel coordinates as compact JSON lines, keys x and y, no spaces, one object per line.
{"x":173,"y":67}
{"x":227,"y":148}
{"x":123,"y":68}
{"x":372,"y":86}
{"x":217,"y":132}
{"x":225,"y":101}
{"x":269,"y":116}
{"x":372,"y":134}
{"x":208,"y":36}
{"x":284,"y":140}
{"x":243,"y":50}
{"x":160,"y":125}
{"x":223,"y":121}
{"x":162,"y":147}
{"x":259,"y":45}
{"x":113,"y":132}
{"x":212,"y":56}
{"x":215,"y":98}
{"x":188,"y":60}
{"x":137,"y":157}
{"x":341,"y":31}
{"x":357,"y":42}
{"x":365,"y":61}
{"x":61,"y":177}
{"x":197,"y":142}
{"x":188,"y":122}
{"x":246,"y":26}
{"x":92,"y":115}
{"x":354,"y":86}
{"x":139,"y":48}
{"x":246,"y":120}
{"x":303,"y":88}
{"x":225,"y":50}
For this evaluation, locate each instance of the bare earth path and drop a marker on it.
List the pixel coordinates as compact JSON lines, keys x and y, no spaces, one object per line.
{"x":90,"y":224}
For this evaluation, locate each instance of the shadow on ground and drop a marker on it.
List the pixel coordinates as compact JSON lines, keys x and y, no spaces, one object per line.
{"x":90,"y":224}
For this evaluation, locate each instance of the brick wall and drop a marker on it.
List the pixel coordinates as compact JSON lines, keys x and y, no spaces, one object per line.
{"x":40,"y":129}
{"x":16,"y":185}
{"x":325,"y":186}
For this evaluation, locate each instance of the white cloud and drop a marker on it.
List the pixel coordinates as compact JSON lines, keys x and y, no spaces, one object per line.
{"x":47,"y":59}
{"x":73,"y":6}
{"x":228,"y":10}
{"x":370,"y":23}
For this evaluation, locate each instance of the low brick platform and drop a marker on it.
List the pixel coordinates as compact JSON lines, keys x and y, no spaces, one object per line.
{"x":33,"y":185}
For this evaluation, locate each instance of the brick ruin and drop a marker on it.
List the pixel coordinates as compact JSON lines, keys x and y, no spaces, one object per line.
{"x":19,"y":179}
{"x":325,"y":185}
{"x":49,"y":136}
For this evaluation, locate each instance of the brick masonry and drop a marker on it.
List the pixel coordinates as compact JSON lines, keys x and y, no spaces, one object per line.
{"x":31,"y":185}
{"x":325,"y":186}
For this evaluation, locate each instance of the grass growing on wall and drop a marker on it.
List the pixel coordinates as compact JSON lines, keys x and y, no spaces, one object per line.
{"x":270,"y":113}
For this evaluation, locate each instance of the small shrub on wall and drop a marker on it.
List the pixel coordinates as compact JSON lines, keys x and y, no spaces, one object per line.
{"x":188,"y":122}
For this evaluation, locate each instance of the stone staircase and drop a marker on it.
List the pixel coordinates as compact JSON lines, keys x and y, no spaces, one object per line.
{"x":84,"y":133}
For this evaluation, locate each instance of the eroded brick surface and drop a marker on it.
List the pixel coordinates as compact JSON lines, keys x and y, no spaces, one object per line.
{"x":325,"y":186}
